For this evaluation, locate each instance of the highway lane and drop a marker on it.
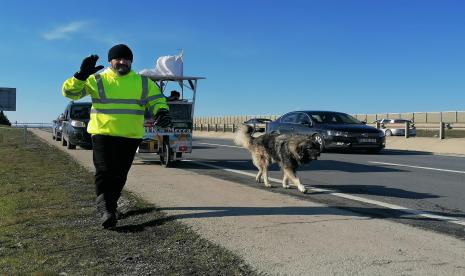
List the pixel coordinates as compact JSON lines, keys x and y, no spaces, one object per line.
{"x":417,"y":181}
{"x":421,"y":182}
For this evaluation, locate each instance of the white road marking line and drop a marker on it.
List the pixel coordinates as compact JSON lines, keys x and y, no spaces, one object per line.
{"x":220,"y":145}
{"x":351,"y":197}
{"x":416,"y":167}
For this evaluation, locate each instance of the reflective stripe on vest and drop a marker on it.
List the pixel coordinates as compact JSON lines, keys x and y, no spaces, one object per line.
{"x":116,"y":111}
{"x":143,"y":99}
{"x":81,"y":93}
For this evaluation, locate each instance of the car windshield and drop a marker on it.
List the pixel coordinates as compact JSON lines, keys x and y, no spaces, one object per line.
{"x":80,"y":112}
{"x":333,"y":118}
{"x":251,"y":121}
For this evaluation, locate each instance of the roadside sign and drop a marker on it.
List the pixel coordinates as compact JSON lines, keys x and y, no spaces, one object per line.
{"x":7,"y":99}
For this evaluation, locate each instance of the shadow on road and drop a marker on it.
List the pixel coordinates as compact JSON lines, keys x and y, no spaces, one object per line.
{"x":222,"y":211}
{"x":323,"y":165}
{"x":372,"y":212}
{"x":376,"y":190}
{"x":333,"y":165}
{"x":135,"y":212}
{"x":403,"y":152}
{"x":382,"y":152}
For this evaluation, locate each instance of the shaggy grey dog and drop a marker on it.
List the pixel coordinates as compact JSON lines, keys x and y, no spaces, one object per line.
{"x":289,"y":151}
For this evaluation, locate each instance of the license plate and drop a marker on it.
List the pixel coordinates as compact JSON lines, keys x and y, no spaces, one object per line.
{"x":367,"y":140}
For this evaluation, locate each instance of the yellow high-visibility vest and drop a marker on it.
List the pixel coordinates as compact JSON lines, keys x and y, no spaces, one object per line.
{"x":118,"y":102}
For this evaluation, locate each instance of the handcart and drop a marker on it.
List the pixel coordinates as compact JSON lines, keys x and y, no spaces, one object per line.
{"x":171,"y":144}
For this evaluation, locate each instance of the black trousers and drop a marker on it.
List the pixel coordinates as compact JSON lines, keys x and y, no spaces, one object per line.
{"x":113,"y":158}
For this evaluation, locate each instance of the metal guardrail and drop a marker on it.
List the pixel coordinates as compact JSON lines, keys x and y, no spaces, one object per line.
{"x":216,"y":127}
{"x":417,"y":117}
{"x":441,"y":125}
{"x":25,"y":133}
{"x":24,"y":127}
{"x":32,"y":125}
{"x":439,"y":130}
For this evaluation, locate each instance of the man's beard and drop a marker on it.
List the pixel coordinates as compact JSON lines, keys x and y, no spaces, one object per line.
{"x":122,"y":69}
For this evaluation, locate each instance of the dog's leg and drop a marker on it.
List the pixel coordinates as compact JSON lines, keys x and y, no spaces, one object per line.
{"x":265,"y":176}
{"x":262,"y":166}
{"x":285,"y":182}
{"x":257,"y":164}
{"x":258,"y":178}
{"x":265,"y":164}
{"x":291,"y":175}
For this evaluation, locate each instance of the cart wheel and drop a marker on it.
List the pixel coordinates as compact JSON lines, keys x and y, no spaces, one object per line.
{"x":166,"y":159}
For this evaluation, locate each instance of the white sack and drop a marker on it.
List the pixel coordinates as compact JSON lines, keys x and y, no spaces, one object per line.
{"x":166,"y":66}
{"x":169,"y":66}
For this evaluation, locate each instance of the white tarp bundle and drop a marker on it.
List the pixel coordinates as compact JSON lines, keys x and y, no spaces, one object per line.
{"x":166,"y":66}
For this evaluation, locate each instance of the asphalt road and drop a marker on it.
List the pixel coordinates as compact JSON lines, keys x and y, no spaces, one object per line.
{"x":396,"y":185}
{"x":280,"y":234}
{"x":418,"y":189}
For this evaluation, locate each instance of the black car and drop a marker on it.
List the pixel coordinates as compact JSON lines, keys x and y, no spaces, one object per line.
{"x":57,"y":128}
{"x":259,"y":124}
{"x":334,"y":130}
{"x":74,"y":128}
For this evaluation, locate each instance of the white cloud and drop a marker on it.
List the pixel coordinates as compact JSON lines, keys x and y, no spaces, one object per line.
{"x":65,"y":32}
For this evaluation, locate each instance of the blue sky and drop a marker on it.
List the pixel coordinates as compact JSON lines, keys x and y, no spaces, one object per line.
{"x":259,"y":57}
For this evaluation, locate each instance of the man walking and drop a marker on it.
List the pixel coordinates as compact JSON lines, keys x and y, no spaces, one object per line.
{"x":119,"y":98}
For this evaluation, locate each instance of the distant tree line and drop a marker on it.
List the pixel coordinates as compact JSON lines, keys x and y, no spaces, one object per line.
{"x":4,"y":120}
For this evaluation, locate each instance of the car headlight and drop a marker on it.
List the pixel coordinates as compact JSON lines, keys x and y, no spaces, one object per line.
{"x":381,"y":133}
{"x":338,"y":133}
{"x":78,"y":123}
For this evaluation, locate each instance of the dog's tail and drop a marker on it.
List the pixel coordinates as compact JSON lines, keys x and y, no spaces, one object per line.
{"x":243,"y":136}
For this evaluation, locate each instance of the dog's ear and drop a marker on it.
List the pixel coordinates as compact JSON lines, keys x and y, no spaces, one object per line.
{"x":315,"y":144}
{"x":314,"y":148}
{"x":306,"y":152}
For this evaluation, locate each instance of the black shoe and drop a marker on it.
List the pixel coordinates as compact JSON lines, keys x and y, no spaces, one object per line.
{"x":108,"y":220}
{"x":119,"y":215}
{"x":107,"y":216}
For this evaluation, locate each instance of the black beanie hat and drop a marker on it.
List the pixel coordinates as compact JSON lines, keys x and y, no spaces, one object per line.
{"x":120,"y":51}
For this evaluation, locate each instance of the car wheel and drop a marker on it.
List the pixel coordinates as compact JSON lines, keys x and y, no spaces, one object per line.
{"x":53,"y":137}
{"x":166,"y":158}
{"x":63,"y":142}
{"x":388,"y":132}
{"x":70,"y":146}
{"x":320,"y":140}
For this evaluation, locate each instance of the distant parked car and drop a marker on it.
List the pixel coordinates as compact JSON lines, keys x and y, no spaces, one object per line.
{"x":396,"y":127}
{"x":259,"y":124}
{"x":333,"y":130}
{"x":74,"y":129}
{"x":57,"y":128}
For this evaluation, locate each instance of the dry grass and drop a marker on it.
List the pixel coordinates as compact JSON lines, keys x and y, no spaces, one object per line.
{"x":48,"y":224}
